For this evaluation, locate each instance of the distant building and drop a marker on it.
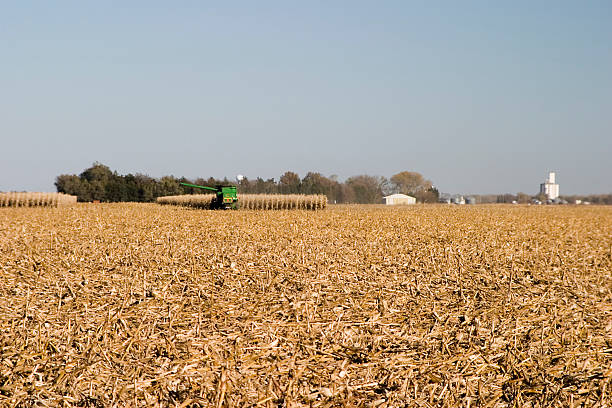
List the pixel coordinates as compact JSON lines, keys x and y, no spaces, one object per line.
{"x":399,"y":199}
{"x":444,"y":198}
{"x":550,"y":189}
{"x":457,"y":199}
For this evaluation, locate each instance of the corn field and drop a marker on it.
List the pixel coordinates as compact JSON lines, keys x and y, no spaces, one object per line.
{"x":202,"y":201}
{"x":36,"y":199}
{"x":253,"y":201}
{"x":134,"y":305}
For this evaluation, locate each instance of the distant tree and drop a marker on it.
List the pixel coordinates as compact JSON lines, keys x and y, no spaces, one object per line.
{"x":271,"y":186}
{"x":97,"y":172}
{"x":410,"y":182}
{"x":289,"y":183}
{"x":337,"y":192}
{"x":506,"y":198}
{"x":387,"y":186}
{"x":315,"y":183}
{"x":97,"y":177}
{"x":167,"y":186}
{"x":146,"y":187}
{"x":431,"y":195}
{"x":186,"y":189}
{"x":201,"y":182}
{"x":245,"y":186}
{"x":523,"y":198}
{"x":131,"y":188}
{"x":209,"y":182}
{"x":485,"y":198}
{"x":347,"y":194}
{"x":115,"y":189}
{"x":73,"y":185}
{"x":365,"y":189}
{"x":602,"y":199}
{"x":262,"y":186}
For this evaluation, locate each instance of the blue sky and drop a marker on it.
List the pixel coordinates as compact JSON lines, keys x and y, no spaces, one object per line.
{"x":480,"y":97}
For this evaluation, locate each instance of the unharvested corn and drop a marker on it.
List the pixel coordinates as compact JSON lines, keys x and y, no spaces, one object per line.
{"x":253,"y":201}
{"x":30,"y":199}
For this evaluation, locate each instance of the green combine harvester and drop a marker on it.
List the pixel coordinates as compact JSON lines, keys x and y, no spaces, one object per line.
{"x":226,"y":199}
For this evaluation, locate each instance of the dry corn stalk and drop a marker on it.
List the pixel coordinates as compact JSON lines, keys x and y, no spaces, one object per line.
{"x":188,"y":200}
{"x":282,"y":202}
{"x":253,"y":201}
{"x":430,"y":306}
{"x":33,"y":199}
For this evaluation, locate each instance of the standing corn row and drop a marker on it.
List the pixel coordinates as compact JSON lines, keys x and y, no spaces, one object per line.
{"x":202,"y":201}
{"x":253,"y":201}
{"x":282,"y":202}
{"x":36,"y":199}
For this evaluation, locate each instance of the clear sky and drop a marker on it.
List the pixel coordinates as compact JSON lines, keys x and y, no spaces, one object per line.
{"x":478,"y":96}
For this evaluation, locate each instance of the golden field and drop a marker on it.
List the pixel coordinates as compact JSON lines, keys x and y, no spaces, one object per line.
{"x":149,"y":305}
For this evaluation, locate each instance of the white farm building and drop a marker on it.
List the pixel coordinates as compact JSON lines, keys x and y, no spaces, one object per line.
{"x":399,"y":199}
{"x":550,"y":189}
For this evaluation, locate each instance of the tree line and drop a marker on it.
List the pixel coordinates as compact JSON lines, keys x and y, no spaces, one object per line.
{"x":524,"y":198}
{"x":100,"y":183}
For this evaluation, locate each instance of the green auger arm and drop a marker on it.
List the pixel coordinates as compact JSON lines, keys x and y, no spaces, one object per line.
{"x":196,"y":186}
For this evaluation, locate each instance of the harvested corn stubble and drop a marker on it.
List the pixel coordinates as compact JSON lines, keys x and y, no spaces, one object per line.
{"x":149,"y":305}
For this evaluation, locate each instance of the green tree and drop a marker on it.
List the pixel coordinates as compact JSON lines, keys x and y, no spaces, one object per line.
{"x":289,"y":183}
{"x":115,"y":189}
{"x":167,"y":186}
{"x":315,"y":183}
{"x":73,"y":185}
{"x":146,"y":187}
{"x":97,"y":176}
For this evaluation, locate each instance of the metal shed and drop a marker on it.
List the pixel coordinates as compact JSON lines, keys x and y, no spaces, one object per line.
{"x":399,"y":199}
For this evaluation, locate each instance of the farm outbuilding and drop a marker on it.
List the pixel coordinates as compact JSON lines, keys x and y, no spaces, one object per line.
{"x":399,"y":199}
